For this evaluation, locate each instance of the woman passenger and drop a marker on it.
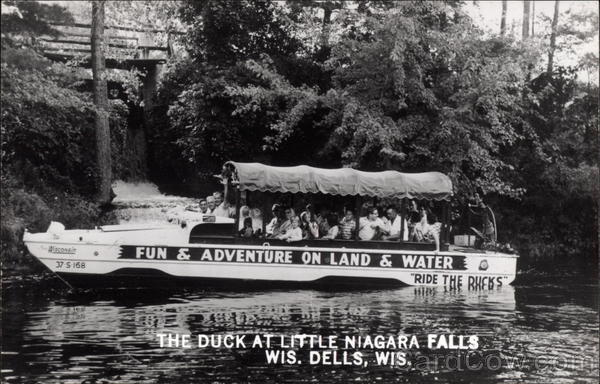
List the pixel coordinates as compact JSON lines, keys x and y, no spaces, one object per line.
{"x":310,"y":228}
{"x":334,"y":230}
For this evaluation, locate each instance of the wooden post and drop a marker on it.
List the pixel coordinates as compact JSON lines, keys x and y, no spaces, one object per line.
{"x":101,"y":123}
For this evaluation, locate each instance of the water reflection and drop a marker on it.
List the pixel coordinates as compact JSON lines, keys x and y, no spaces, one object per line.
{"x":61,"y":336}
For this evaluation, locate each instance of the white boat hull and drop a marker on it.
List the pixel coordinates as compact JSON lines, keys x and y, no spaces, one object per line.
{"x":140,"y":256}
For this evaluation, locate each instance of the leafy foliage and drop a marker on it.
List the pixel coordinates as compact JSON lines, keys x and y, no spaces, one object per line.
{"x":32,"y":18}
{"x":413,"y":86}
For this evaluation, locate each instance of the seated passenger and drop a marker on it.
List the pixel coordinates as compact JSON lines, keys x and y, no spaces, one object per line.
{"x":413,"y":219}
{"x":273,"y":228}
{"x":294,"y":233}
{"x":371,"y":227}
{"x":394,"y":225}
{"x":421,"y":226}
{"x":322,"y":221}
{"x":203,"y":206}
{"x":211,"y":205}
{"x":244,"y":214}
{"x":310,"y":228}
{"x":432,"y":232}
{"x":287,"y":223}
{"x":247,"y":230}
{"x":334,"y":230}
{"x":348,"y":225}
{"x":257,"y":221}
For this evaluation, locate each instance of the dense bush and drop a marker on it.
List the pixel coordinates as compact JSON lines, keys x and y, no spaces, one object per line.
{"x":48,"y":149}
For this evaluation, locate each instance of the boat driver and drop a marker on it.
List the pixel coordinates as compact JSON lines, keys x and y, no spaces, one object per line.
{"x":371,"y":227}
{"x":203,"y":206}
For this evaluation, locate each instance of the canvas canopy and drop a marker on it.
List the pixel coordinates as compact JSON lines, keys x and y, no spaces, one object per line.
{"x":342,"y":181}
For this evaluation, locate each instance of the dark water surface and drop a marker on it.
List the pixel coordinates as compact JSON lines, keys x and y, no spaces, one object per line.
{"x":544,"y":334}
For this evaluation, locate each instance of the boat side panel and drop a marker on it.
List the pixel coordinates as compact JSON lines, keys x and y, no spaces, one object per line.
{"x":425,"y":268}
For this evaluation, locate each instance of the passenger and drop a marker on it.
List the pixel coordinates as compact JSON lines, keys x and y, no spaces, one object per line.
{"x":244,"y":214}
{"x":309,"y":209}
{"x":203,"y":206}
{"x":287,"y":223}
{"x":348,"y":225}
{"x":310,"y":228}
{"x":322,"y":220}
{"x":432,"y":232}
{"x":247,"y":230}
{"x":294,"y":233}
{"x":394,"y":225}
{"x":334,"y":230}
{"x":421,"y":226}
{"x":371,"y":227}
{"x":273,"y":228}
{"x":211,"y":204}
{"x":257,"y":221}
{"x":413,"y":219}
{"x":224,"y":208}
{"x":218,"y":198}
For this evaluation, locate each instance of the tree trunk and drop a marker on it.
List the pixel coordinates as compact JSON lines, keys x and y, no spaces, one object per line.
{"x":503,"y":19}
{"x":533,"y":18}
{"x":553,"y":39}
{"x":526,"y":5}
{"x":103,"y":156}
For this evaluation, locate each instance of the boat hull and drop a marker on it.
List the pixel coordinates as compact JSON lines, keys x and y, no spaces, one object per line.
{"x":156,"y":263}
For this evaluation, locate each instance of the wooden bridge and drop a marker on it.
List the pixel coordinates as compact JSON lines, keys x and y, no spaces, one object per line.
{"x":128,"y":48}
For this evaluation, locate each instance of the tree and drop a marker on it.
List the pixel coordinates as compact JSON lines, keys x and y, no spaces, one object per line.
{"x":553,"y":38}
{"x":503,"y":19}
{"x":526,"y":17}
{"x":101,"y":123}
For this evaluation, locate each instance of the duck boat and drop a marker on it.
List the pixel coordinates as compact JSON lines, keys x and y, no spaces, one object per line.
{"x":203,"y":249}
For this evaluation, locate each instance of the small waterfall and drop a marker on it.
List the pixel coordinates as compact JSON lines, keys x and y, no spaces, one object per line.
{"x":142,"y":202}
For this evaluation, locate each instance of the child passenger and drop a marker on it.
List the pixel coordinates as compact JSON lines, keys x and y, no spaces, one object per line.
{"x":348,"y":225}
{"x":247,"y":230}
{"x":294,"y":233}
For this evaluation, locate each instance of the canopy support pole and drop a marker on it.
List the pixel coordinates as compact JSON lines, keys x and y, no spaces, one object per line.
{"x":357,"y":203}
{"x":265,"y":209}
{"x":238,"y":211}
{"x":446,"y":232}
{"x":402,"y":211}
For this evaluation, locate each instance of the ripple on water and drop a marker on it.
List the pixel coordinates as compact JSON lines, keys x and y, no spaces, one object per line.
{"x":74,"y":337}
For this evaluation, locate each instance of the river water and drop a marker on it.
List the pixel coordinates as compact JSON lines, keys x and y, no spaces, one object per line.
{"x":542,"y":333}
